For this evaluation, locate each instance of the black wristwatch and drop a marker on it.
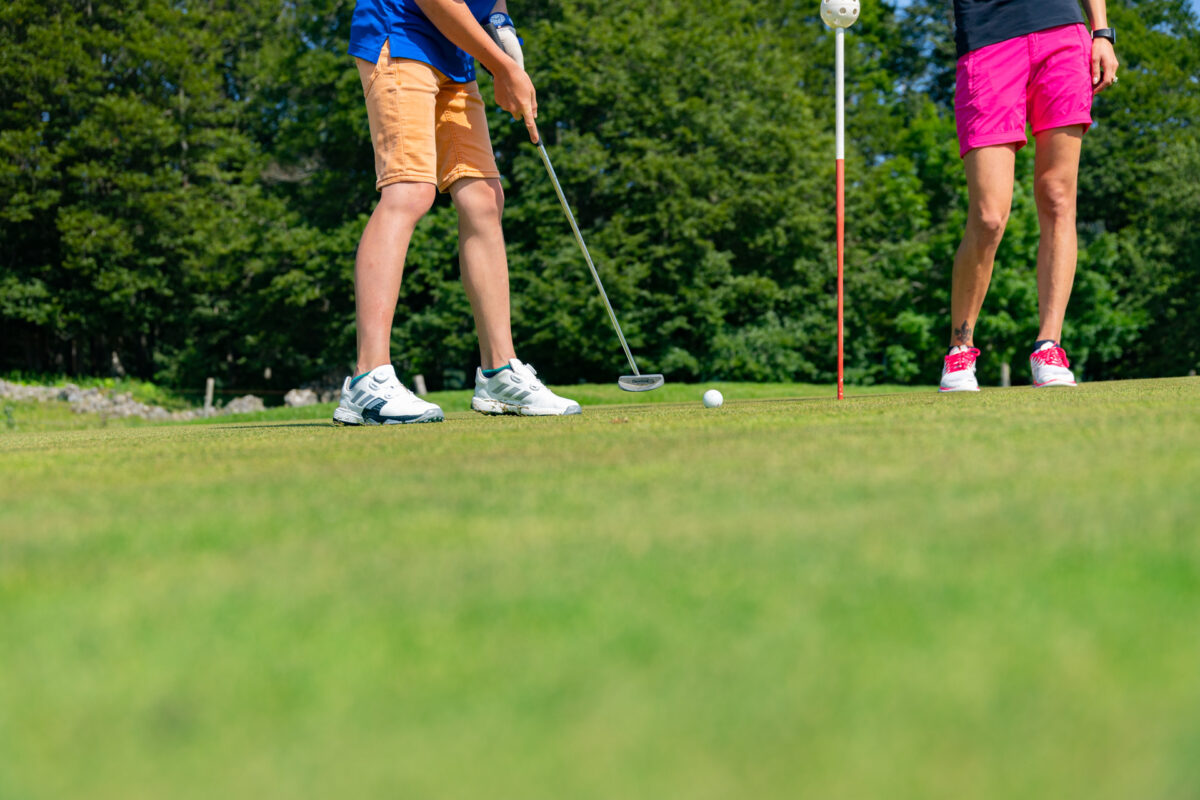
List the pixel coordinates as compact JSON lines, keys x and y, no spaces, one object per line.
{"x":1105,"y":33}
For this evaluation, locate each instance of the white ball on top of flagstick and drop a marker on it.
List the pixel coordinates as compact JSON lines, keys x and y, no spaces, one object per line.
{"x":839,"y":13}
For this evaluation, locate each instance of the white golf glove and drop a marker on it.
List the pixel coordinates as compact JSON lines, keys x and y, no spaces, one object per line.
{"x":500,"y":28}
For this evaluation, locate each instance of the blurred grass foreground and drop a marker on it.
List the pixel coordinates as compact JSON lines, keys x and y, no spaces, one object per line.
{"x":908,"y":595}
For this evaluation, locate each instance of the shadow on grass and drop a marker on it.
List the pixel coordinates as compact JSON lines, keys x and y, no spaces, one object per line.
{"x":279,"y":425}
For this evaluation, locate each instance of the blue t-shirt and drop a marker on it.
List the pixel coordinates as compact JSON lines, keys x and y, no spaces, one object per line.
{"x":411,"y":35}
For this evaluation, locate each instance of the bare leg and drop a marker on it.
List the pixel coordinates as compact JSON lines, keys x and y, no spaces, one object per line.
{"x":990,"y":190}
{"x":379,"y":266}
{"x":1056,"y":177}
{"x":480,"y":204}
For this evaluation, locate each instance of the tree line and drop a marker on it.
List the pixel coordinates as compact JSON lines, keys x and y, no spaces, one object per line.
{"x":183,"y":184}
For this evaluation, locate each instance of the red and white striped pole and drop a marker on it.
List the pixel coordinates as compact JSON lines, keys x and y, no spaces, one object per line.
{"x":839,"y":15}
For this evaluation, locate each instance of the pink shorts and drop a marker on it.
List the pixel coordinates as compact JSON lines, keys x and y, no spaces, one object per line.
{"x":1045,"y":77}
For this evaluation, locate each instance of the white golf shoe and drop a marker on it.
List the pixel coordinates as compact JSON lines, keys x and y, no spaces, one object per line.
{"x":1050,"y":366}
{"x":958,"y":373}
{"x":517,"y":390}
{"x":378,"y":398}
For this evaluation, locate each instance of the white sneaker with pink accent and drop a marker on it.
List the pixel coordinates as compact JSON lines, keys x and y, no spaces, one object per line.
{"x":958,"y":373}
{"x":1050,"y":366}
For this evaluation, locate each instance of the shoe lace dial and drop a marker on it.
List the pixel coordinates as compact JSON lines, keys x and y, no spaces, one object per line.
{"x":534,"y":384}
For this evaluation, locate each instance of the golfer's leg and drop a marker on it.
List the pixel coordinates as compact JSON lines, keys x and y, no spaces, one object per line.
{"x":1056,"y":178}
{"x":480,"y":204}
{"x":379,"y":267}
{"x":990,"y":189}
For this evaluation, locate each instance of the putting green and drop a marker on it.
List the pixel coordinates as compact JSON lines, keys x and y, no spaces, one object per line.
{"x":908,"y":595}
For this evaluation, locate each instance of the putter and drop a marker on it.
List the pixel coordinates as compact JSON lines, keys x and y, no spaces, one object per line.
{"x":506,"y":39}
{"x":637,"y":382}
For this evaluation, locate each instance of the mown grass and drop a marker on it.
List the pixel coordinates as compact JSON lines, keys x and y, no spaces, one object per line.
{"x":593,"y":394}
{"x":33,"y":416}
{"x":30,"y":416}
{"x":899,"y":596}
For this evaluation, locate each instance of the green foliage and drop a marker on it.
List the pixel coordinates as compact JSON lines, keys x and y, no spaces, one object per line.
{"x":1150,"y":201}
{"x":184,"y":185}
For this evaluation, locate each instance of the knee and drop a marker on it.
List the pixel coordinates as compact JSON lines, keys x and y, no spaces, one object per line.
{"x":988,"y":225}
{"x":479,"y":199}
{"x":406,"y":200}
{"x":1055,"y":197}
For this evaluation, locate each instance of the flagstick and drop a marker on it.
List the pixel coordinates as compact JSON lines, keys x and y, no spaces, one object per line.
{"x":840,"y":49}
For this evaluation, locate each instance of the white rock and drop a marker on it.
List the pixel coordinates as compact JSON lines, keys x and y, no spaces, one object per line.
{"x":246,"y":404}
{"x":298,"y":398}
{"x":96,"y":401}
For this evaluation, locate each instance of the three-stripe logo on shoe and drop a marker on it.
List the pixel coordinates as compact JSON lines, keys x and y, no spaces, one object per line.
{"x":362,"y":397}
{"x":509,"y":393}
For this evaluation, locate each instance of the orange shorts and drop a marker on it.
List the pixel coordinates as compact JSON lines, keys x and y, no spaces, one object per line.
{"x":424,"y":128}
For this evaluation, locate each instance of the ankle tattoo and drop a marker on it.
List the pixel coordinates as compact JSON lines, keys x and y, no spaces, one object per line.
{"x":962,"y":334}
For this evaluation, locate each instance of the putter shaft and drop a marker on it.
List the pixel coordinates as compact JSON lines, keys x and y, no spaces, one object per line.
{"x":587,"y":256}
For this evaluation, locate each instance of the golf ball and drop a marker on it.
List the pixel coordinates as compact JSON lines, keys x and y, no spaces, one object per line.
{"x":713,"y":399}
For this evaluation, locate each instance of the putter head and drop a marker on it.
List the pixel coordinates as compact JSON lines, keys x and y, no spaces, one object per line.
{"x":640,"y":383}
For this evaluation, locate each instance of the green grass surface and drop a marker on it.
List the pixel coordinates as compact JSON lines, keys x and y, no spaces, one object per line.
{"x":908,"y":595}
{"x":32,"y":416}
{"x":591,"y":394}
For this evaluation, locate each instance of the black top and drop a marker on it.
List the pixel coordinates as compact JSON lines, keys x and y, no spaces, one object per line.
{"x":982,"y":22}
